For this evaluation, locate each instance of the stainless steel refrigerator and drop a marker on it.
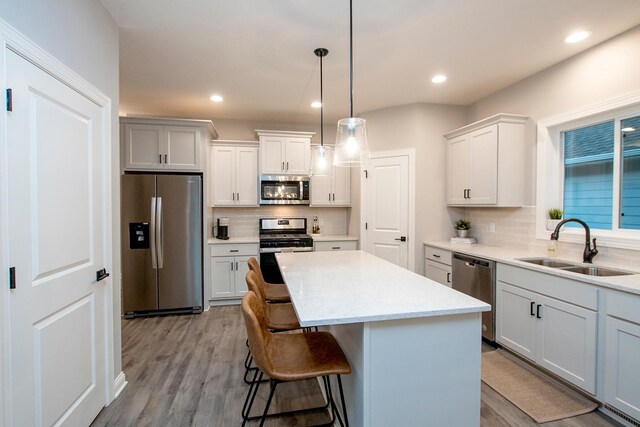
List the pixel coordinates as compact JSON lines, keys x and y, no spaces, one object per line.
{"x":161,"y":244}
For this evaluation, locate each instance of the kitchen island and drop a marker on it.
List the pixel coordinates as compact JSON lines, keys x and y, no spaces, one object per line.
{"x":413,"y":344}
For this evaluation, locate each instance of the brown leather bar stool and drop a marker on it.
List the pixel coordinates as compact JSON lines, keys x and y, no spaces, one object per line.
{"x":290,"y":357}
{"x":280,"y":317}
{"x":275,"y":293}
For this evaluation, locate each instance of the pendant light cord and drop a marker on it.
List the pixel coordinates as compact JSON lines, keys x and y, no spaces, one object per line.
{"x":350,"y":56}
{"x":321,"y":107}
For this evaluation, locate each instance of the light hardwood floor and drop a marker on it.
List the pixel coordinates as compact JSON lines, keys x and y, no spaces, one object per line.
{"x":187,"y":371}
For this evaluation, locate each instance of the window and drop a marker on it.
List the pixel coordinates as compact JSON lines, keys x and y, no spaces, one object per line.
{"x":588,"y":164}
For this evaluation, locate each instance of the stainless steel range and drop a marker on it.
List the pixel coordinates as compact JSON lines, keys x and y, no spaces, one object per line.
{"x":281,"y":235}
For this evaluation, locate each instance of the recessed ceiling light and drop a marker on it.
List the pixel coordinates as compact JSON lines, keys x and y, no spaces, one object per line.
{"x":628,"y":129}
{"x":577,"y":36}
{"x":439,"y":78}
{"x":316,"y":104}
{"x":216,"y":98}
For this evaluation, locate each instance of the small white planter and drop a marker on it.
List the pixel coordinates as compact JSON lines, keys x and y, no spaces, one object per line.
{"x":463,"y":233}
{"x":552,"y":224}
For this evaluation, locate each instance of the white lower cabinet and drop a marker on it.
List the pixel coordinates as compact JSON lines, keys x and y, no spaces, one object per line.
{"x":622,"y":353}
{"x":342,"y":245}
{"x":535,"y":319}
{"x":437,"y":265}
{"x":228,"y":269}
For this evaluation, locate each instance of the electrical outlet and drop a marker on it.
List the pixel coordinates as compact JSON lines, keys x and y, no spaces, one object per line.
{"x":492,"y":227}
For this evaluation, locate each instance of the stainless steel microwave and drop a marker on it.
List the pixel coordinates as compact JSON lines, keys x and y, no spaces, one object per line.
{"x":284,"y":190}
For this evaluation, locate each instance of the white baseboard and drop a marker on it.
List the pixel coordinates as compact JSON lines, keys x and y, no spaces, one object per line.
{"x":119,"y":384}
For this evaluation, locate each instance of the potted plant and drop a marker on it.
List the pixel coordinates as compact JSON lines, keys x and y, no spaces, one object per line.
{"x":463,"y":226}
{"x":555,"y":216}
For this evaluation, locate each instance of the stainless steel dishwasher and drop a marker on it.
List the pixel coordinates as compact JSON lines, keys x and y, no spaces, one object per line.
{"x":476,"y":277}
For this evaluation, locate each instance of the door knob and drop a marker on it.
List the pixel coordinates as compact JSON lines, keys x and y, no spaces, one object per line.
{"x":402,"y":238}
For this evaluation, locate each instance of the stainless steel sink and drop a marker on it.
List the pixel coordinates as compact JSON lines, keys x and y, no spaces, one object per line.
{"x":547,"y":262}
{"x":596,"y":271}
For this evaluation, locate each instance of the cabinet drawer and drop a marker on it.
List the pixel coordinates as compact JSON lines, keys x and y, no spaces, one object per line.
{"x":623,"y":305}
{"x":246,"y":249}
{"x":436,"y":254}
{"x":349,"y":245}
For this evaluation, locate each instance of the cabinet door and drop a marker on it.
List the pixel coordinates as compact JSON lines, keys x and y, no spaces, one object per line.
{"x":321,"y":190}
{"x":298,"y":156}
{"x":515,"y":325}
{"x":241,"y":268}
{"x":224,"y":160}
{"x":222,"y":277}
{"x":272,"y":155}
{"x":182,"y":147}
{"x":438,"y":272}
{"x":483,"y":166}
{"x":341,"y":186}
{"x":566,"y":342}
{"x":458,"y":170}
{"x":143,"y":145}
{"x":246,"y":176}
{"x":622,"y":370}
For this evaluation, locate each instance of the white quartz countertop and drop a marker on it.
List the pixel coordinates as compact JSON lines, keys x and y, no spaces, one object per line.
{"x":329,"y":288}
{"x":628,"y":283}
{"x":332,"y":238}
{"x":234,"y":240}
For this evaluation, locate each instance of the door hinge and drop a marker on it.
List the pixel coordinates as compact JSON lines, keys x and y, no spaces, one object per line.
{"x":9,"y":100}
{"x":12,"y":278}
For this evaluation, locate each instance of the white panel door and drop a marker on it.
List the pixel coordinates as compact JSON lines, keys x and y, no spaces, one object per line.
{"x":182,"y":147}
{"x":515,"y":319}
{"x":246,"y":179}
{"x":298,"y":156}
{"x":58,"y":239}
{"x":387,"y":198}
{"x":222,"y":277}
{"x":483,"y":167}
{"x":224,"y":176}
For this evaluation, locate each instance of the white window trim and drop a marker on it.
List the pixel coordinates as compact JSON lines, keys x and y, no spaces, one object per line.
{"x":549,"y":170}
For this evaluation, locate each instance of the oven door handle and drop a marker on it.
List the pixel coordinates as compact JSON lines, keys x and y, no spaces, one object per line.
{"x":278,"y":250}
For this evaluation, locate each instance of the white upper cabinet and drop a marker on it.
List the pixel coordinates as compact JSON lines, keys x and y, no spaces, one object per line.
{"x":284,"y":153}
{"x":168,"y":145}
{"x":486,"y":162}
{"x":333,"y":189}
{"x":234,"y":175}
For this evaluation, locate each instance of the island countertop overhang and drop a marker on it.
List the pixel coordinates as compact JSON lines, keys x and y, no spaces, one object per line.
{"x":331,"y":288}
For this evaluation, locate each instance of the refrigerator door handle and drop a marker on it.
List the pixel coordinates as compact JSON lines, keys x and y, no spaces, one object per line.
{"x":159,"y":237}
{"x":152,"y":234}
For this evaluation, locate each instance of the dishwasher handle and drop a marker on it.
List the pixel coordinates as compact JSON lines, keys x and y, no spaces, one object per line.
{"x":473,"y":262}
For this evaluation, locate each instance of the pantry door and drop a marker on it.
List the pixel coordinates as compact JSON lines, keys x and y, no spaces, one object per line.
{"x":387,"y":196}
{"x":57,"y":142}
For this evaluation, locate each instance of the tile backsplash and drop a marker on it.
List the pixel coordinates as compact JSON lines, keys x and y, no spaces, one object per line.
{"x":243,"y":222}
{"x":516,"y":228}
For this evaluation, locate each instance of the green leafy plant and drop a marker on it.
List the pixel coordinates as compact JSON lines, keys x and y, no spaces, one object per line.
{"x":555,"y":213}
{"x":462,"y":224}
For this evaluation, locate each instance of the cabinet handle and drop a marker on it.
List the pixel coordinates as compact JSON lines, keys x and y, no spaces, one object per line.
{"x":435,"y":255}
{"x":233,"y":195}
{"x":165,"y":158}
{"x":468,"y":193}
{"x":236,"y":265}
{"x":329,"y":196}
{"x":464,"y":192}
{"x":448,"y":277}
{"x":231,"y":263}
{"x":335,"y":247}
{"x":334,"y":197}
{"x":160,"y":156}
{"x":538,"y":311}
{"x":282,"y":165}
{"x":238,"y":196}
{"x":287,"y":165}
{"x":532,"y":304}
{"x":233,"y":250}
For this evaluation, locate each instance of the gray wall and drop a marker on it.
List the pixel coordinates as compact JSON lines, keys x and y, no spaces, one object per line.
{"x":418,"y":126}
{"x":82,"y":35}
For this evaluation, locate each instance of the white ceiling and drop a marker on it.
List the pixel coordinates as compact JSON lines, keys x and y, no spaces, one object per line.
{"x":258,"y":54}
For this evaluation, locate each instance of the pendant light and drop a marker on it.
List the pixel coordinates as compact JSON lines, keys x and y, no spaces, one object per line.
{"x":321,"y":155}
{"x":351,"y":138}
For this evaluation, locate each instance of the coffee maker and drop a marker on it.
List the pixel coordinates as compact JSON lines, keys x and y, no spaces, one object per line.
{"x":223,"y":228}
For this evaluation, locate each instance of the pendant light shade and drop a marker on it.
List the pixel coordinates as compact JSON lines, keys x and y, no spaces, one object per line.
{"x":351,"y":147}
{"x":351,"y":143}
{"x":321,"y":155}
